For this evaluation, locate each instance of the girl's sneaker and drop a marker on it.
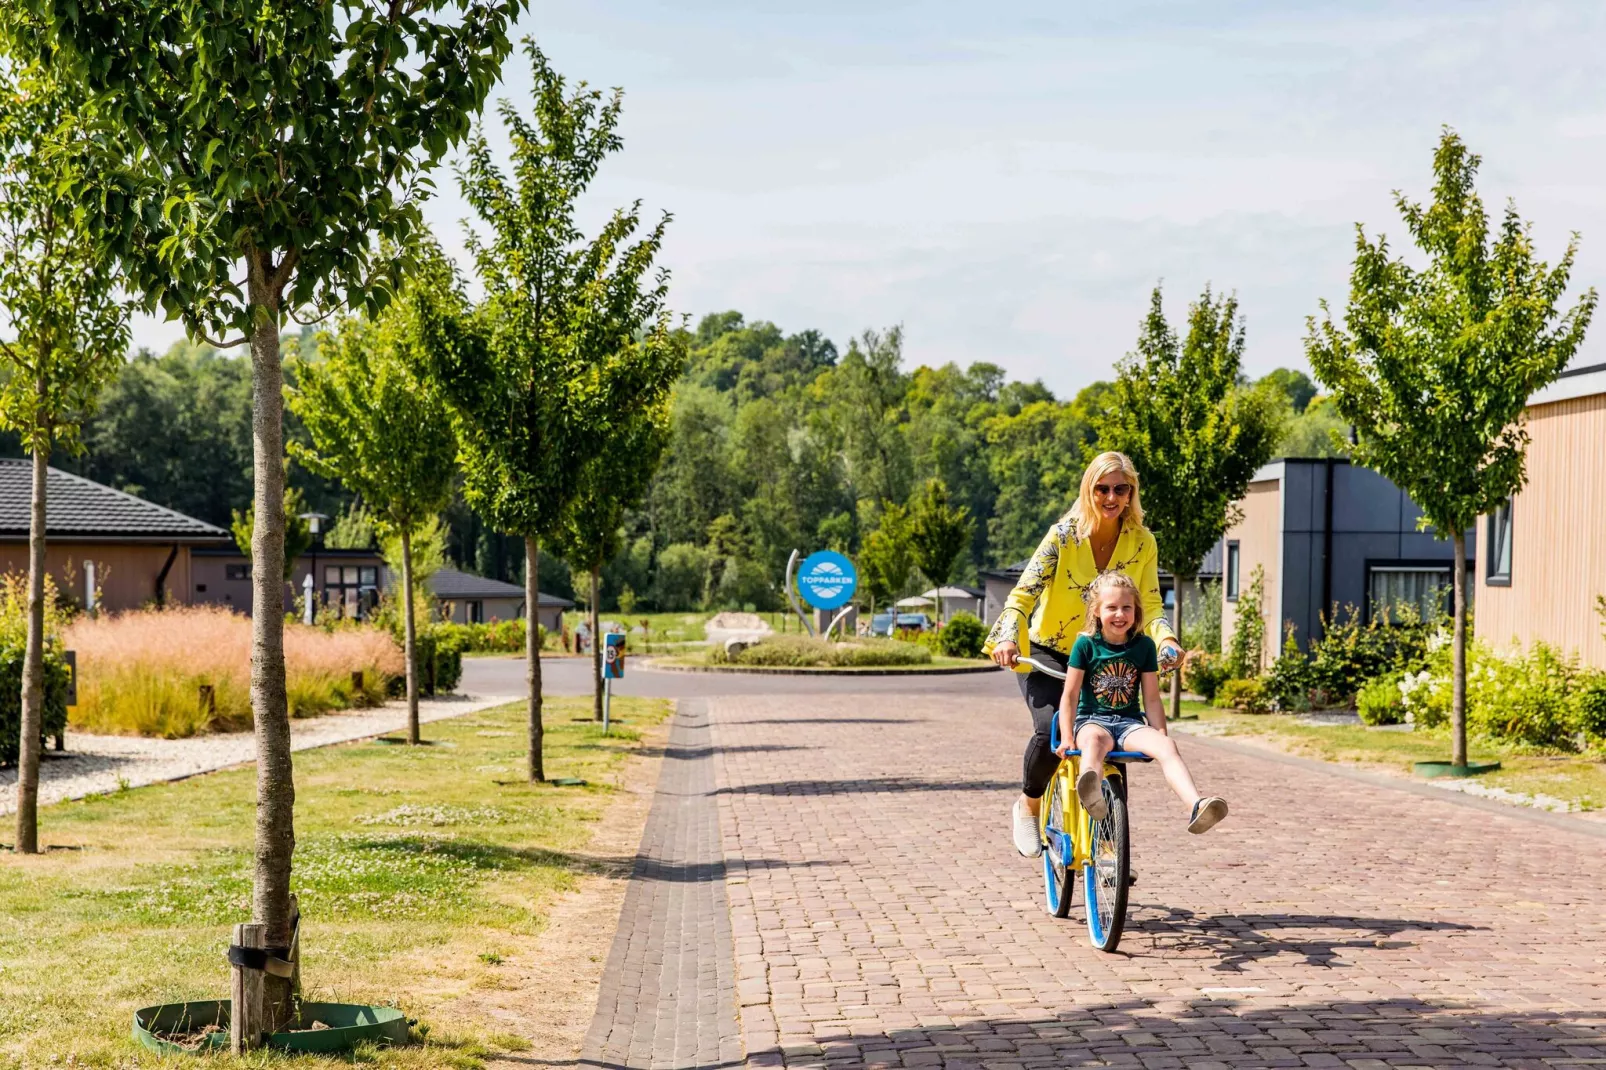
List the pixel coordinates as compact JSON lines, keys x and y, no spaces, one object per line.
{"x":1025,"y":831}
{"x":1207,"y":813}
{"x":1090,"y":789}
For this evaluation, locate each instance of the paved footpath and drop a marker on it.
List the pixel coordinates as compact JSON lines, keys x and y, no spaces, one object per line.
{"x":878,"y":916}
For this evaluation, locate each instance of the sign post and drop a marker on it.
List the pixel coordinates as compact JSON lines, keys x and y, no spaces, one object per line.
{"x":827,"y":581}
{"x":613,"y":668}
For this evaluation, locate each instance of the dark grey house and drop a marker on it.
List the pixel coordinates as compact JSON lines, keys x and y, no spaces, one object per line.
{"x":998,"y":582}
{"x":1326,"y":532}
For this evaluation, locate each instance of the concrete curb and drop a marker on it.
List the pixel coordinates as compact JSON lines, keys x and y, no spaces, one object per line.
{"x":777,"y":670}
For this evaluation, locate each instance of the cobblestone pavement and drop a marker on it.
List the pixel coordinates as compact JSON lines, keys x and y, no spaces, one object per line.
{"x":880,"y":917}
{"x":668,"y":989}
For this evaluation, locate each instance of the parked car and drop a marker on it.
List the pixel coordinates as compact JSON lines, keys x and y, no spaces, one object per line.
{"x":912,"y":622}
{"x":881,"y":624}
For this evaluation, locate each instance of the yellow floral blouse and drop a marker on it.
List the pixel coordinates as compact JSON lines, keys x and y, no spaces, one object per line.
{"x":1051,"y":594}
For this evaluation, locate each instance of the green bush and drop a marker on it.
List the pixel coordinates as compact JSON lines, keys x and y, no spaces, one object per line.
{"x":1379,"y":701}
{"x":1288,"y":683}
{"x":1349,"y":653}
{"x":796,"y":651}
{"x":55,"y":712}
{"x":1589,"y":708}
{"x":440,"y":658}
{"x":1523,"y":699}
{"x":963,"y":636}
{"x":1249,"y":696}
{"x":1204,"y":673}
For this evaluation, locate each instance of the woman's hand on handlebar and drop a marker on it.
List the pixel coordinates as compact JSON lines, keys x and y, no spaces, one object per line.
{"x":1170,"y":655}
{"x":1006,"y":654}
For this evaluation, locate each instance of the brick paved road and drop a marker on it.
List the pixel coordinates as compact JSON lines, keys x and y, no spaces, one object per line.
{"x":880,"y":917}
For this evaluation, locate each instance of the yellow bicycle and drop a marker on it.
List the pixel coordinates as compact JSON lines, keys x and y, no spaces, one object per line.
{"x":1073,"y":841}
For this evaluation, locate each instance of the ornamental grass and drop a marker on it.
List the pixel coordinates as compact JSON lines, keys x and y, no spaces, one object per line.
{"x":142,"y":673}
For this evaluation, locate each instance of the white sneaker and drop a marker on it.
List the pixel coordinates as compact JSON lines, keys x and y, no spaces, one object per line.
{"x":1026,"y":838}
{"x":1090,"y":789}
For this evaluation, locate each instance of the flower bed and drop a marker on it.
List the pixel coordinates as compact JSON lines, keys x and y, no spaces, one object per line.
{"x":141,"y":673}
{"x":795,"y":651}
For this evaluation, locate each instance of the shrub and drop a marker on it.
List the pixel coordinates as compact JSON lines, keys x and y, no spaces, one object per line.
{"x":796,"y":651}
{"x":1246,"y":653}
{"x":13,"y":645}
{"x":1201,"y":627}
{"x":1589,"y":708}
{"x":1350,"y":653}
{"x":963,"y":636}
{"x":1204,"y":673}
{"x":1288,"y":682}
{"x":1380,"y":701}
{"x":1248,"y":696}
{"x":1525,"y":698}
{"x":141,"y":672}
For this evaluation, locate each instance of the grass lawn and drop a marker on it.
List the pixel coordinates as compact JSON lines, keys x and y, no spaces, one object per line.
{"x":420,"y":872}
{"x":1575,"y":779}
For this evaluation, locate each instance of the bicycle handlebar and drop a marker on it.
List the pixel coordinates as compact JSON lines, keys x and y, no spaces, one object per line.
{"x":1040,"y":667}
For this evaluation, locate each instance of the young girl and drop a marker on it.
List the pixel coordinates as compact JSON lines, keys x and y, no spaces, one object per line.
{"x":1110,"y":663}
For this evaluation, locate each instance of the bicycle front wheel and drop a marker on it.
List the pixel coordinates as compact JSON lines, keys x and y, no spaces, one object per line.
{"x":1059,"y":874}
{"x":1107,"y":873}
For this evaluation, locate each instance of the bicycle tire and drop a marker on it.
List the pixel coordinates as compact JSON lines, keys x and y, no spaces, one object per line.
{"x":1059,"y":879}
{"x":1106,"y":876}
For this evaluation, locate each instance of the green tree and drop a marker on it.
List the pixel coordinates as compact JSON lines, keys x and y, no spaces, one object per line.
{"x":1294,"y":385}
{"x":386,"y":436}
{"x":68,"y":329}
{"x":1195,"y":436}
{"x":297,"y":532}
{"x":1319,"y":431}
{"x":887,"y":555}
{"x":1434,"y":365}
{"x":613,"y":481}
{"x":555,"y":357}
{"x":938,"y":532}
{"x":264,"y":154}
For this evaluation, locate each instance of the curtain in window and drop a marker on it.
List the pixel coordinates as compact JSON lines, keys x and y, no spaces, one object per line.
{"x":1428,"y":591}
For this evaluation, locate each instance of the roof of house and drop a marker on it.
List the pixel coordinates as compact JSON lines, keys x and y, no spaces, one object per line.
{"x":79,"y":508}
{"x":1573,"y":383}
{"x":451,"y":584}
{"x":953,"y":592}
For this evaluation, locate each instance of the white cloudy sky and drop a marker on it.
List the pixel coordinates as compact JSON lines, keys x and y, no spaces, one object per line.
{"x":1009,"y":180}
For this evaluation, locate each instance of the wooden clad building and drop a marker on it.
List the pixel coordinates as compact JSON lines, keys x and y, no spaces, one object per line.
{"x":1544,"y":554}
{"x":140,"y":553}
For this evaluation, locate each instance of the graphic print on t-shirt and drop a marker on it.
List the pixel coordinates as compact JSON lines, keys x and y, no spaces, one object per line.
{"x":1115,"y":683}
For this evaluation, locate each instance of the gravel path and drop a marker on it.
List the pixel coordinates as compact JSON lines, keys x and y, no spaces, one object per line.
{"x":93,"y":765}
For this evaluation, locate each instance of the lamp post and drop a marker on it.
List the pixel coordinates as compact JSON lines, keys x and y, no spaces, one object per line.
{"x":315,"y":527}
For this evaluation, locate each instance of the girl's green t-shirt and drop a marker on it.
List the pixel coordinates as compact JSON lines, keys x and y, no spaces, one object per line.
{"x":1112,"y":674}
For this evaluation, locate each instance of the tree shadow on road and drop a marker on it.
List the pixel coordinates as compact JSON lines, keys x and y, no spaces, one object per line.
{"x":648,"y":868}
{"x":1235,"y":1032}
{"x":1236,"y":940}
{"x":866,"y":786}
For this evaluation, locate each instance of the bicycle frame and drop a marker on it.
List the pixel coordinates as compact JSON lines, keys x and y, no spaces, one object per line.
{"x":1076,"y":845}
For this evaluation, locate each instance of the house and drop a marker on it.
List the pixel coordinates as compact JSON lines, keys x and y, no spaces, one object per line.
{"x":348,"y":582}
{"x":998,"y":582}
{"x":1544,"y":553}
{"x":139,"y":553}
{"x":469,"y":599}
{"x":951,"y":600}
{"x":1328,"y":533}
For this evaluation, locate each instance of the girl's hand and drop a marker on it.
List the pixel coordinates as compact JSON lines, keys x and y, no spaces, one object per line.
{"x":1006,"y":654}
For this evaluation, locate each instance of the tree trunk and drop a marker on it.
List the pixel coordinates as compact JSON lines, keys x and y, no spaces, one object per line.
{"x":532,"y":651}
{"x":1458,"y":654}
{"x":596,"y":644}
{"x":1176,"y":677}
{"x":276,"y":793}
{"x":29,"y":731}
{"x":409,"y":635}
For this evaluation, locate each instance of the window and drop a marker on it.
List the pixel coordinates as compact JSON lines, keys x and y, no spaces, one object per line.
{"x":1425,"y":588}
{"x":353,"y":590}
{"x":1498,"y":570}
{"x":1232,"y":572}
{"x":476,"y":612}
{"x":236,"y":572}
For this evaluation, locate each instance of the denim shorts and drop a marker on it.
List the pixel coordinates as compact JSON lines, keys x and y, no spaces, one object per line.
{"x":1118,"y":727}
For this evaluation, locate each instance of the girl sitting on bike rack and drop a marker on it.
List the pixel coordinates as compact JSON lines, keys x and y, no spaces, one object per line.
{"x":1111,"y":665}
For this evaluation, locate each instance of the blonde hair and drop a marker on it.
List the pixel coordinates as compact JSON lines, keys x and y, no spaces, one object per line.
{"x":1103,"y":582}
{"x":1084,"y":514}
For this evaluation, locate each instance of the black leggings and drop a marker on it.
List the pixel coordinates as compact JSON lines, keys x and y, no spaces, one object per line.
{"x":1042,"y":693}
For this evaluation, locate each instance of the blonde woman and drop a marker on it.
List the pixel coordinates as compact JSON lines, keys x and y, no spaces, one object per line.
{"x":1047,"y":610}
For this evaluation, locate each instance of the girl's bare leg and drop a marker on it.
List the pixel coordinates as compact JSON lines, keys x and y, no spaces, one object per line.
{"x":1163,"y":749}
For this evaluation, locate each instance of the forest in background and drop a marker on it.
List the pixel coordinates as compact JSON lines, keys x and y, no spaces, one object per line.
{"x":779,"y":442}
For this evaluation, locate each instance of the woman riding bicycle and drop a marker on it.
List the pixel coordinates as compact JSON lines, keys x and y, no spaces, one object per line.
{"x":1103,"y":532}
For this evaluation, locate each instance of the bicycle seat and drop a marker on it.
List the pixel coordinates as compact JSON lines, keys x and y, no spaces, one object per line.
{"x":1113,"y":756}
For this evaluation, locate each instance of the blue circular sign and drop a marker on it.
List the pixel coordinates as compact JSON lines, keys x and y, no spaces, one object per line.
{"x":827,"y":580}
